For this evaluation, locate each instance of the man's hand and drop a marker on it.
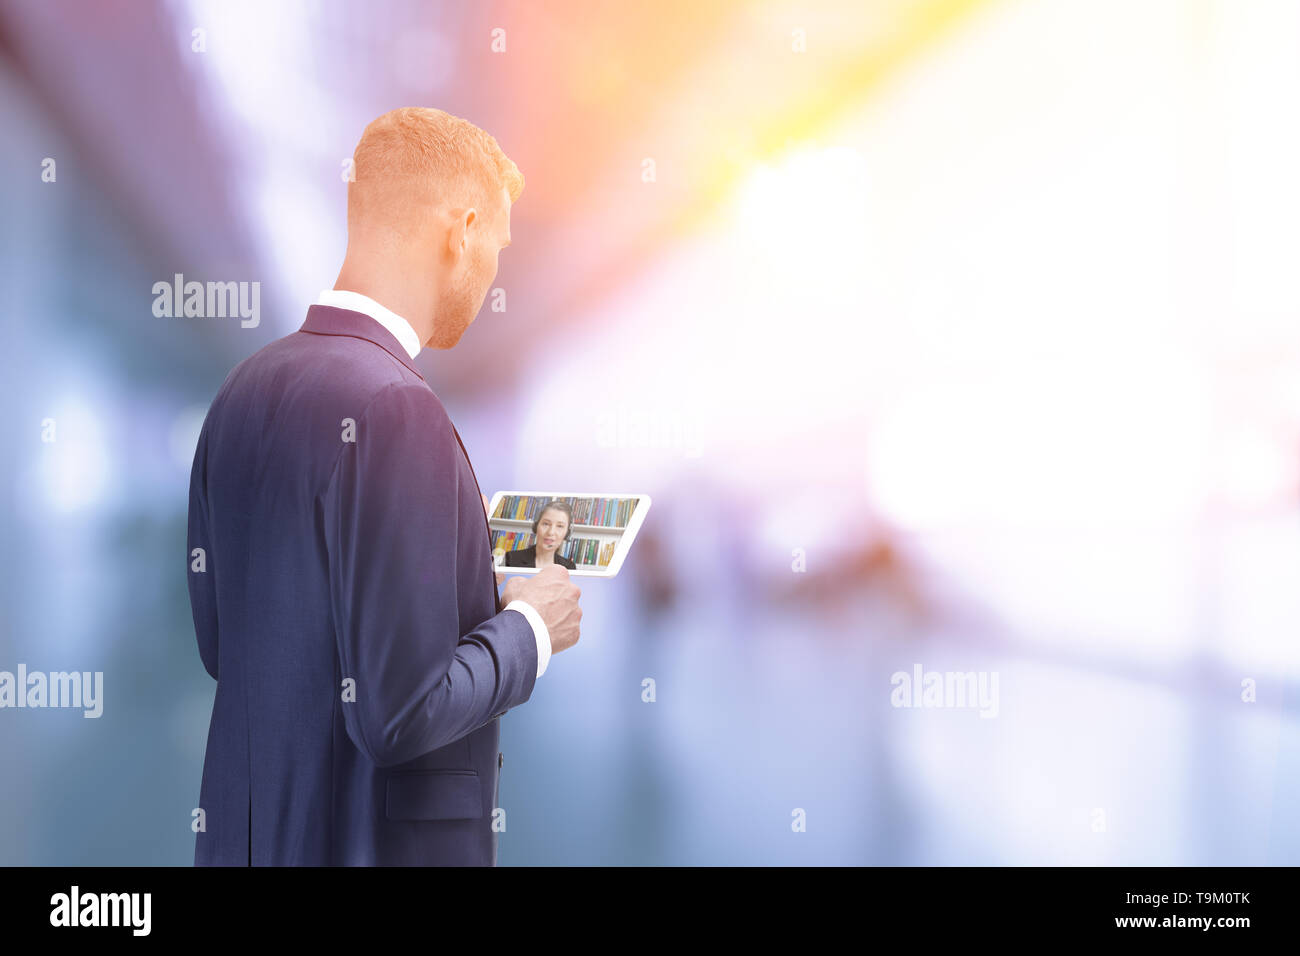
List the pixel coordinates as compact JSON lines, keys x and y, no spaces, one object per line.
{"x":555,"y":598}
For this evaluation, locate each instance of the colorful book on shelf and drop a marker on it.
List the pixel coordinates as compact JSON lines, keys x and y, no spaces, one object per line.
{"x":594,"y":512}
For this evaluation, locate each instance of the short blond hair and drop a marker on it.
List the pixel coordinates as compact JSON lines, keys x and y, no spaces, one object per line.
{"x":416,"y":146}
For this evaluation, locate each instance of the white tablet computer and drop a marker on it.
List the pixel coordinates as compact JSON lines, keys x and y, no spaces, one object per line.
{"x":588,"y":533}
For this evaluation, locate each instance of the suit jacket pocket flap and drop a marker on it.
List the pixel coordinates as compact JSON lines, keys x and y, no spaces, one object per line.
{"x":434,"y":795}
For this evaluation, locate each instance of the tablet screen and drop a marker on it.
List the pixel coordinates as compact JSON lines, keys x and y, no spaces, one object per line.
{"x":590,"y":534}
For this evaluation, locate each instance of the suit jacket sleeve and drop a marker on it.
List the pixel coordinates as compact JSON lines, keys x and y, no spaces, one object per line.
{"x":202,"y":586}
{"x":391,"y":533}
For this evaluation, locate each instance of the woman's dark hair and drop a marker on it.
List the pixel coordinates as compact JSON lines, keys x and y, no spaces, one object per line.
{"x":555,"y":504}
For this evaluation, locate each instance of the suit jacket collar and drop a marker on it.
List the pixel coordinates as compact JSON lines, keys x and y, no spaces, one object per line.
{"x":328,"y":320}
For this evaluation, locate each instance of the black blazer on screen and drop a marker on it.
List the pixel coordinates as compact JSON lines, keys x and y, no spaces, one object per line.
{"x":527,"y":558}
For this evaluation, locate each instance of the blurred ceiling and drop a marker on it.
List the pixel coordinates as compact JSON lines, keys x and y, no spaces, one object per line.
{"x":582,"y":94}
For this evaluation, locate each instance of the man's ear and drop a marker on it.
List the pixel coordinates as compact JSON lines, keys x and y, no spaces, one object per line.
{"x":458,"y":234}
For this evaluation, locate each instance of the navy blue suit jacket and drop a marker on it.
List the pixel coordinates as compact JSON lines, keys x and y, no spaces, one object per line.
{"x":345,"y":603}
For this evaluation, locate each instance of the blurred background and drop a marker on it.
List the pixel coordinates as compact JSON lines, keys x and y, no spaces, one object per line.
{"x":952,"y":334}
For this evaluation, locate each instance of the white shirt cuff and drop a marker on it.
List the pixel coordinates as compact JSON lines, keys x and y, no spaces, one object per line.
{"x":540,"y":633}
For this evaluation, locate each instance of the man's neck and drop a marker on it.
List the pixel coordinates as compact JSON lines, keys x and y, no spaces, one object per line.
{"x":416,"y":306}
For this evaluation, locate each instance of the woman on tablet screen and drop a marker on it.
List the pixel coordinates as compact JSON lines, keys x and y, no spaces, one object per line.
{"x":552,"y":528}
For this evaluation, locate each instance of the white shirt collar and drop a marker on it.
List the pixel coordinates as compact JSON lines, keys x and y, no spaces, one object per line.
{"x":394,"y":323}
